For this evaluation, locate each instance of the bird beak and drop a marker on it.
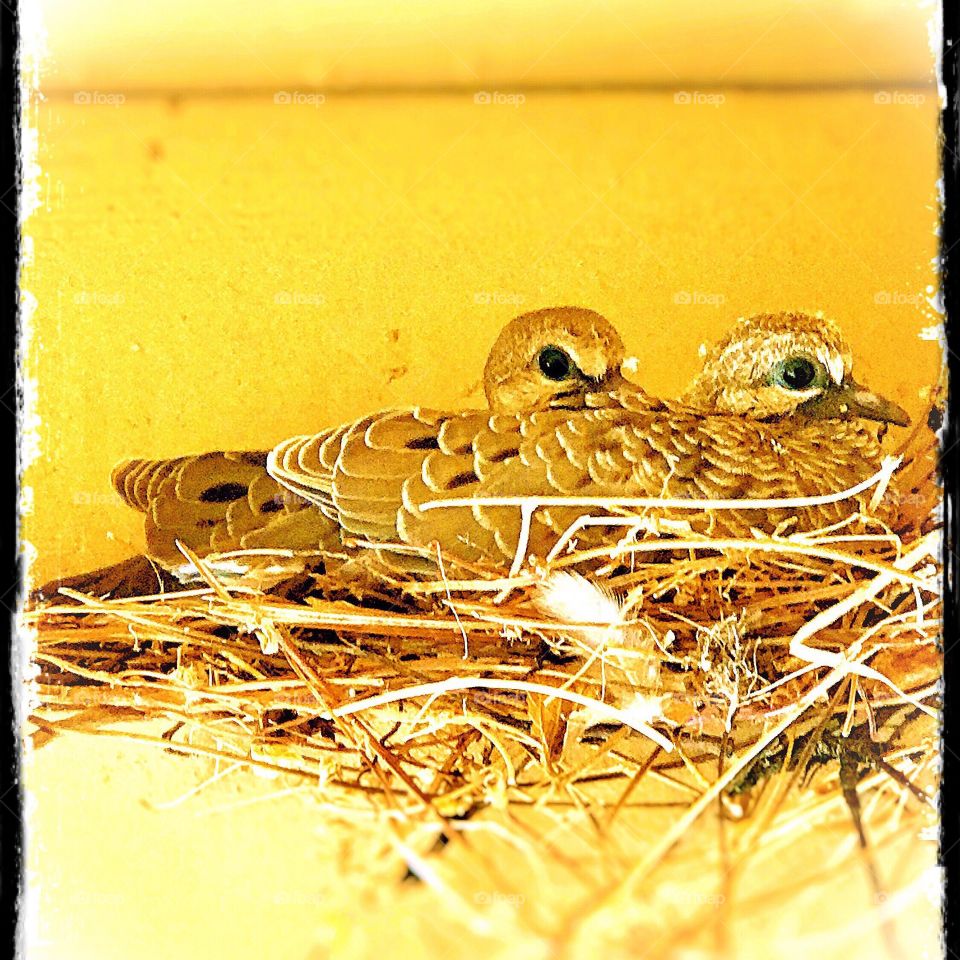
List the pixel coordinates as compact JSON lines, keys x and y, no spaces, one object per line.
{"x":850,"y":400}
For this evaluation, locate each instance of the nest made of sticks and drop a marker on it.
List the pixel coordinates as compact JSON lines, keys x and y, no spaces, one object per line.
{"x":600,"y":682}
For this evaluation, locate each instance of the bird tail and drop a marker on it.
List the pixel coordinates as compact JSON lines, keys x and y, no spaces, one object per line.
{"x":208,"y":478}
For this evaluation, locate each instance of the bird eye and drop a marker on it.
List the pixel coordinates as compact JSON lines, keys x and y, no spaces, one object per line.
{"x":554,"y":363}
{"x":795,"y":373}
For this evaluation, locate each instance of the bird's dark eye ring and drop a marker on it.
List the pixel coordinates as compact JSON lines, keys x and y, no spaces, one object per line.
{"x":795,"y":373}
{"x":554,"y":363}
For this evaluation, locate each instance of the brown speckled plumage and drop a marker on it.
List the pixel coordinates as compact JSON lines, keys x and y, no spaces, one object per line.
{"x":216,"y":502}
{"x":736,"y":434}
{"x":369,"y":480}
{"x":187,"y":498}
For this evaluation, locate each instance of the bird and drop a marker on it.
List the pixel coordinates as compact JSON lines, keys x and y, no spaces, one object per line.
{"x":774,"y":413}
{"x":223,"y":501}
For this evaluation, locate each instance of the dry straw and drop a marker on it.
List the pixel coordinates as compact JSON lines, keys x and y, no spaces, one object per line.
{"x":595,"y":718}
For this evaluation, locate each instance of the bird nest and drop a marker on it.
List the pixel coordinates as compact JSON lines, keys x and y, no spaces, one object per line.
{"x":596,"y":717}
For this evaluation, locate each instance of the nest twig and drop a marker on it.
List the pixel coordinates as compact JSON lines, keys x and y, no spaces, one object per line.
{"x":601,"y":683}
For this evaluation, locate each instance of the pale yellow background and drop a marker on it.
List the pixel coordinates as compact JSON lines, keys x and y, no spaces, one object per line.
{"x":335,"y":44}
{"x":220,"y":271}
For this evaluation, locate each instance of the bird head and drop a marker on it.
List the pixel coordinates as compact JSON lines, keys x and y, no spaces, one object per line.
{"x":552,"y":358}
{"x":786,"y":364}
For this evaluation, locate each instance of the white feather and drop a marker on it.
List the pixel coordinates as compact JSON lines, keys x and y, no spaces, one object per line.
{"x":573,"y":598}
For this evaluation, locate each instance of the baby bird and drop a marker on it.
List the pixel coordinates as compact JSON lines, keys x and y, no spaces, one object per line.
{"x":224,"y":501}
{"x":783,"y":364}
{"x":773,"y":414}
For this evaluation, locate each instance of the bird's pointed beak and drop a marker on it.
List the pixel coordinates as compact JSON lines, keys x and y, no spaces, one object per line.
{"x":851,"y":400}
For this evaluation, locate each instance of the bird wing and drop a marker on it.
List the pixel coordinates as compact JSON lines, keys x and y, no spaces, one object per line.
{"x":728,"y":457}
{"x":376,"y":476}
{"x":668,"y":453}
{"x":356,"y":473}
{"x":215,"y":502}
